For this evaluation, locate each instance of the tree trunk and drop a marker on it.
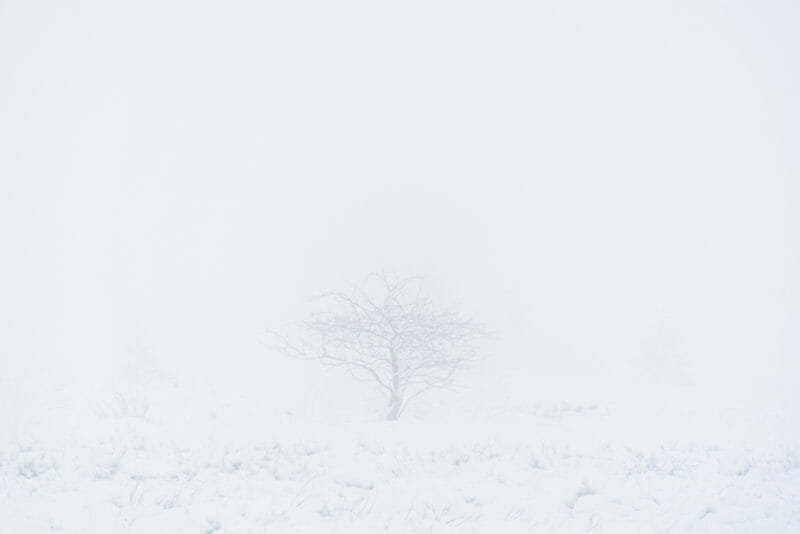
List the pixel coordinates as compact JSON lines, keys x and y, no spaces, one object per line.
{"x":396,"y":401}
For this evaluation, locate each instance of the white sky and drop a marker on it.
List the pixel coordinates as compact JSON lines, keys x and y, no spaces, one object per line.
{"x":594,"y":179}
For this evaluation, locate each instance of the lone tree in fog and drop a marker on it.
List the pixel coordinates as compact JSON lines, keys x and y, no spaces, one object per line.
{"x":387,"y":332}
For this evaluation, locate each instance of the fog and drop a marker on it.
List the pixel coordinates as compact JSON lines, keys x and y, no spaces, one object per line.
{"x":597,"y":181}
{"x":610,"y":188}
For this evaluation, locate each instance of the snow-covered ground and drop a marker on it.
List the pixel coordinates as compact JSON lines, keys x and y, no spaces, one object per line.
{"x":513,"y":452}
{"x":611,"y":187}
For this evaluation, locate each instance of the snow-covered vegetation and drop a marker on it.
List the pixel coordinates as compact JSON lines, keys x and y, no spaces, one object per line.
{"x":611,"y":187}
{"x":188,"y":456}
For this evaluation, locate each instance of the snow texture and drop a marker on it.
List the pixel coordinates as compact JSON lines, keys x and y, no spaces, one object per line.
{"x":174,"y":457}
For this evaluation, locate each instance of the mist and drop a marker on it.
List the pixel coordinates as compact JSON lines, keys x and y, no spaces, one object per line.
{"x":184,"y":173}
{"x":613,"y":187}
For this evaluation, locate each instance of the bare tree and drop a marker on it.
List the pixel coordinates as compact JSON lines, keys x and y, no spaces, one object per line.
{"x":388,"y":332}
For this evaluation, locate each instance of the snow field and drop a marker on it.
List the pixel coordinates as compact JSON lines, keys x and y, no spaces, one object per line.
{"x":128,"y":464}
